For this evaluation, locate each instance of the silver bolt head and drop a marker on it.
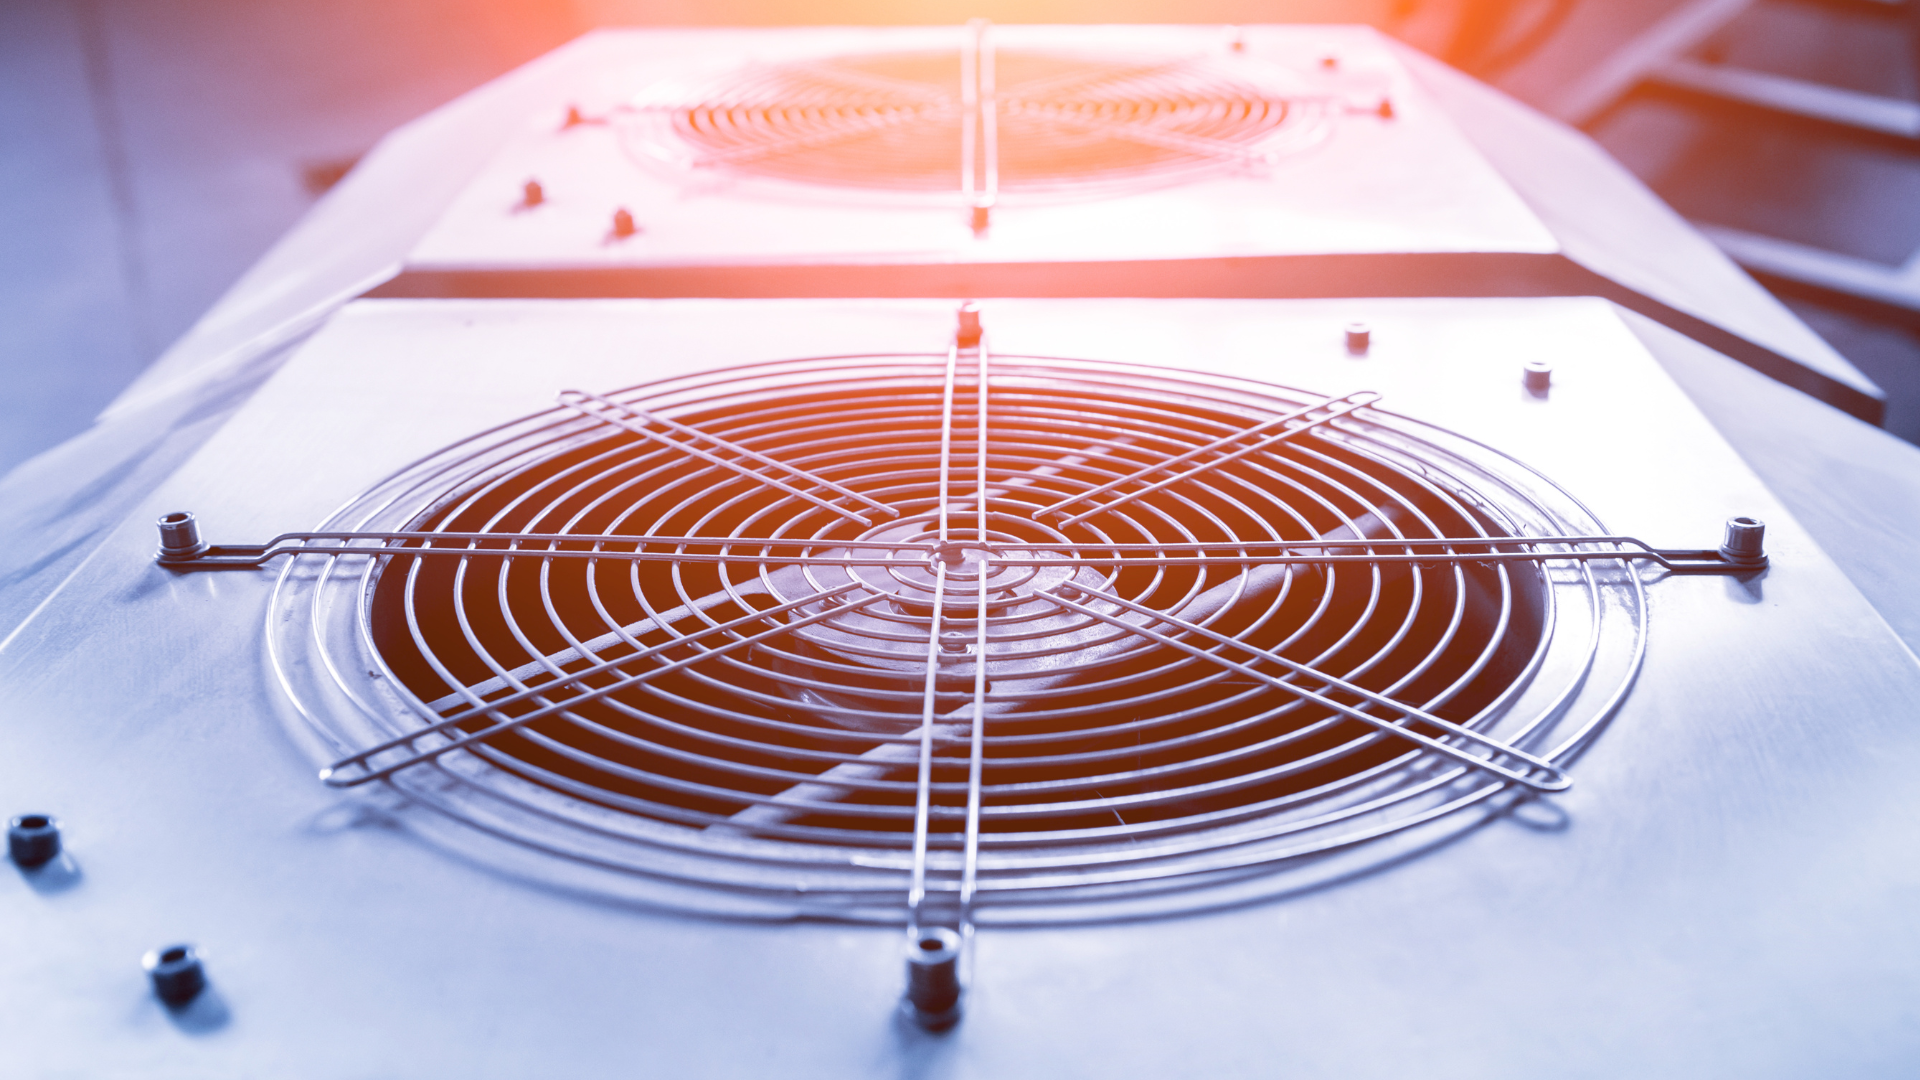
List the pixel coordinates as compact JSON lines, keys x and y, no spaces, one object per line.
{"x":1359,"y":338}
{"x":179,"y":536}
{"x":1537,"y":375}
{"x":1745,"y":542}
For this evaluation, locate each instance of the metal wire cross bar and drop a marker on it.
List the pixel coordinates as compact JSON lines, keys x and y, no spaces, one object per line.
{"x":1549,"y":778}
{"x":976,"y":755}
{"x":760,"y":550}
{"x":1334,"y":407}
{"x":923,"y":787}
{"x":1250,"y":553}
{"x":625,"y":416}
{"x":979,"y":133}
{"x":362,"y":760}
{"x":462,"y":544}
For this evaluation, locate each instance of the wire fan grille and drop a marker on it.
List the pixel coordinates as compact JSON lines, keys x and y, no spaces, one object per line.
{"x":745,"y":709}
{"x":899,"y":121}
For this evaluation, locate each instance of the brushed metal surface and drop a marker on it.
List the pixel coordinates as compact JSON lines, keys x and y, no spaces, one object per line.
{"x":1726,"y":890}
{"x":1854,"y":486}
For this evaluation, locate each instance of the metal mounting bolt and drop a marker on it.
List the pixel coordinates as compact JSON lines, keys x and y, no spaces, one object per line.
{"x":176,"y":972}
{"x":1745,"y":543}
{"x":33,"y":840}
{"x":623,"y":225}
{"x":981,"y":217}
{"x":1537,"y":376}
{"x":180,"y":537}
{"x":1329,"y":61}
{"x":953,"y":642}
{"x":933,"y":977}
{"x":1386,"y":109}
{"x":968,"y":333}
{"x":533,"y":194}
{"x":1359,"y":338}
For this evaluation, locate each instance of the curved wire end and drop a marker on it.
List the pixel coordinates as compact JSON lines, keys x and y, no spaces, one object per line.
{"x":331,"y":777}
{"x":1558,"y":781}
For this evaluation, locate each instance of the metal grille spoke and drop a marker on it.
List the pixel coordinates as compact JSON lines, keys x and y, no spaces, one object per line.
{"x":1294,"y":423}
{"x":1540,"y":775}
{"x":638,"y":421}
{"x":503,"y":723}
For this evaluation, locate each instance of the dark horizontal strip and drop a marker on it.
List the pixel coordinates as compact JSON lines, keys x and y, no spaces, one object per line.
{"x":1456,"y":274}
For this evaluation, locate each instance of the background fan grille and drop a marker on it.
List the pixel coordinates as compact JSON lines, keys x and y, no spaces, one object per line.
{"x":894,"y":121}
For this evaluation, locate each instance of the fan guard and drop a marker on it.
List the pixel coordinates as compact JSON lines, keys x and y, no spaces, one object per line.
{"x":1115,"y":765}
{"x":903,"y":122}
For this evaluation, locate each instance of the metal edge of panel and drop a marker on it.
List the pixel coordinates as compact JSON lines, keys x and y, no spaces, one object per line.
{"x":1676,"y":275}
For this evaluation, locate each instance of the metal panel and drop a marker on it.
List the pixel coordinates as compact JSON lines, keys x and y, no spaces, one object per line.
{"x":1855,"y":487}
{"x":1641,"y":254}
{"x":1726,"y":889}
{"x":1351,"y":194}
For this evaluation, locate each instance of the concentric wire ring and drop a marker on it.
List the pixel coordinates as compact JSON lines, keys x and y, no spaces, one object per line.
{"x":774,"y":757}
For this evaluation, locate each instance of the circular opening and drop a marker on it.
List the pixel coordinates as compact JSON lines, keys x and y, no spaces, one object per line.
{"x":173,"y":955}
{"x":34,"y":821}
{"x":176,"y":518}
{"x":931,"y":944}
{"x":1745,"y":521}
{"x":692,"y":710}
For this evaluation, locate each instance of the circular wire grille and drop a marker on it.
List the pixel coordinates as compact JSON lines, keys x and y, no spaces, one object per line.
{"x":896,"y":121}
{"x":744,"y":710}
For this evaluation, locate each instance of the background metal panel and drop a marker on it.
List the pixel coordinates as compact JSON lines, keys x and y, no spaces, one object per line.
{"x":1351,"y":193}
{"x":1608,"y":222}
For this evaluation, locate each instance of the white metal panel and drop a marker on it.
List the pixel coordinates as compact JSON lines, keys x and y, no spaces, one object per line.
{"x":1405,"y":184}
{"x":1726,"y":890}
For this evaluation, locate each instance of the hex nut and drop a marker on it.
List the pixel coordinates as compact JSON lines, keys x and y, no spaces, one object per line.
{"x":1359,"y":338}
{"x":176,"y":973}
{"x":33,"y":840}
{"x":1745,"y":542}
{"x":933,"y":977}
{"x":179,"y":537}
{"x":967,"y":333}
{"x":1537,"y":376}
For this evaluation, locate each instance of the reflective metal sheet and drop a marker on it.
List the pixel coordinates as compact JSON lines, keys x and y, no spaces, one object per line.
{"x":1726,"y":889}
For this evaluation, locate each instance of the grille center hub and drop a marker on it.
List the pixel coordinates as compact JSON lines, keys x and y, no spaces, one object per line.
{"x":911,"y":576}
